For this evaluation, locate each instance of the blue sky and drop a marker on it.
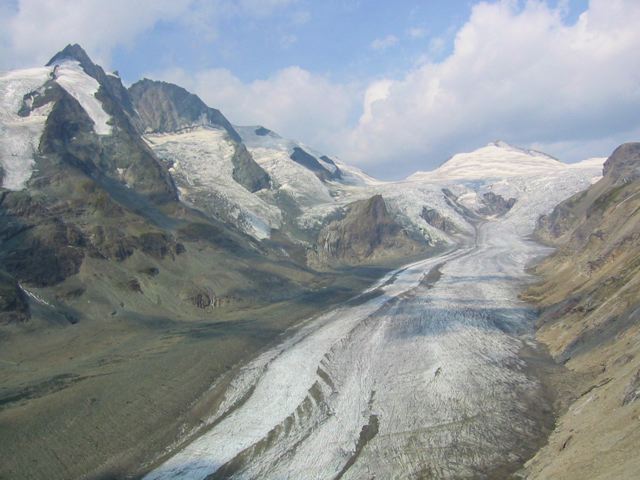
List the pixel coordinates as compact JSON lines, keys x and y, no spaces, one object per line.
{"x":332,"y":37}
{"x":393,"y":87}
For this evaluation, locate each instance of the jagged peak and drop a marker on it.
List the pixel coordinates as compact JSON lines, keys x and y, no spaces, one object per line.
{"x":71,"y":52}
{"x":623,"y":165}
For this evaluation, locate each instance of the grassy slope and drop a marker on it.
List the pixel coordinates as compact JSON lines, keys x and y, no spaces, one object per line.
{"x":590,"y":322}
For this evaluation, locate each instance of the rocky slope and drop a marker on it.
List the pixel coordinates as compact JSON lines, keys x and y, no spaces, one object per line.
{"x":367,"y":233}
{"x":590,"y":322}
{"x":118,"y":302}
{"x":148,"y":247}
{"x":168,"y":108}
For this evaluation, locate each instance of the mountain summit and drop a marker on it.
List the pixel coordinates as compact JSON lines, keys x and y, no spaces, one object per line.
{"x":496,"y":160}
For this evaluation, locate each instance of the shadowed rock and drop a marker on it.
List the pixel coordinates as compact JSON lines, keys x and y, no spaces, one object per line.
{"x":367,"y":232}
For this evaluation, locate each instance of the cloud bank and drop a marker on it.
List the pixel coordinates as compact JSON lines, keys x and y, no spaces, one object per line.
{"x":521,"y":74}
{"x":30,"y":29}
{"x":518,"y":71}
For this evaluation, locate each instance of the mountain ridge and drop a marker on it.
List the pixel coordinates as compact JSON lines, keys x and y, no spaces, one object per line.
{"x":147,"y":253}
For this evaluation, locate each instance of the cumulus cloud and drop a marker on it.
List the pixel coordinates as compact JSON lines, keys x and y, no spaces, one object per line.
{"x":516,"y":73}
{"x":292,"y":101}
{"x":36,"y":26}
{"x":32,"y":27}
{"x":384,"y":42}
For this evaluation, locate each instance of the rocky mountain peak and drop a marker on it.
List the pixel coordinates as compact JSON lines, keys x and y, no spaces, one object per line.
{"x":623,"y":165}
{"x":77,"y":53}
{"x":165,"y":107}
{"x":70,"y":52}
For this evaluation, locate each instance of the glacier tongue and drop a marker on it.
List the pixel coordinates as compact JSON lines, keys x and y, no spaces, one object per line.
{"x":20,"y":136}
{"x":426,"y":377}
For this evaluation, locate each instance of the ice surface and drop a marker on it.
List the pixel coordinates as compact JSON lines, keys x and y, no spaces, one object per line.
{"x":496,"y":160}
{"x":20,"y":136}
{"x":70,"y":76}
{"x":203,"y":170}
{"x":432,"y":369}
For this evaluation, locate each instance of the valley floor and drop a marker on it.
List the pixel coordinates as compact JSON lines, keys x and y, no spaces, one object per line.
{"x":96,"y":400}
{"x":431,"y":373}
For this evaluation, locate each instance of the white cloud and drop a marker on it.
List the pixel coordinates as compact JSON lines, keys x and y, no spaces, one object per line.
{"x":416,"y":32}
{"x":39,"y":28}
{"x":293,"y":102}
{"x":521,"y":74}
{"x":384,"y":42}
{"x":376,"y":92}
{"x":35,"y":29}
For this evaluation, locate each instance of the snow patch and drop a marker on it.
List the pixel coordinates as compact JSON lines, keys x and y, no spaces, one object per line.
{"x":496,"y":160}
{"x":201,"y":164}
{"x":70,"y":76}
{"x":20,"y":136}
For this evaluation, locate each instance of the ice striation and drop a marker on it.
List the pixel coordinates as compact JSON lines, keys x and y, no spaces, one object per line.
{"x":420,"y":376}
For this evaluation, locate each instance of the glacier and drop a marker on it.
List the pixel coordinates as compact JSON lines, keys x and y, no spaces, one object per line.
{"x":422,"y":374}
{"x":20,"y":136}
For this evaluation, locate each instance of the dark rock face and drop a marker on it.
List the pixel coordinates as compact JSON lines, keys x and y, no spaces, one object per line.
{"x":121,"y":158}
{"x":201,"y":300}
{"x":38,"y":246}
{"x":495,"y":204}
{"x":262,"y":132}
{"x":453,"y":202}
{"x":14,"y":307}
{"x":337,"y":174}
{"x":134,"y":285}
{"x":433,"y":218}
{"x":309,"y":161}
{"x":165,"y":107}
{"x":367,"y":233}
{"x":247,"y":172}
{"x":623,"y":165}
{"x":111,"y":86}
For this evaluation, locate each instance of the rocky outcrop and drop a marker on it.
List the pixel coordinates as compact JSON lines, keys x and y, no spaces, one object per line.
{"x":435,"y":219}
{"x":623,"y":166}
{"x":590,"y":320}
{"x":495,"y":205}
{"x":14,"y":306}
{"x":307,"y":160}
{"x":368,"y":233}
{"x":167,"y":108}
{"x":247,"y":172}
